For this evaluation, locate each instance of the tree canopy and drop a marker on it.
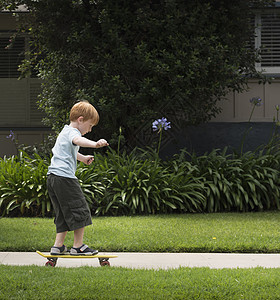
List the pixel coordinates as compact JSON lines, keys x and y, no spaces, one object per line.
{"x":136,"y":61}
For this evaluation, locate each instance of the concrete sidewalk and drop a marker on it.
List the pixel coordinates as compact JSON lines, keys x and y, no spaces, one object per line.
{"x":153,"y":260}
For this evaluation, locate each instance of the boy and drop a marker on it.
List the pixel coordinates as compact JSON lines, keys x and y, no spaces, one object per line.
{"x":71,"y":209}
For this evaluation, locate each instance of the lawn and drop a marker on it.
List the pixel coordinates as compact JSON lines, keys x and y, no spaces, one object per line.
{"x":224,"y":232}
{"x":221,"y":232}
{"x":118,"y":283}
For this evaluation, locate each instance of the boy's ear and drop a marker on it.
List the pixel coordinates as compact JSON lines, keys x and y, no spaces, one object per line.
{"x":80,"y":119}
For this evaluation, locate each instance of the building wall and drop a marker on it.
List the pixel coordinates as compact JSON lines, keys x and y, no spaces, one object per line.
{"x":7,"y":22}
{"x":231,"y":128}
{"x":24,"y":136}
{"x":237,"y":106}
{"x":18,"y":99}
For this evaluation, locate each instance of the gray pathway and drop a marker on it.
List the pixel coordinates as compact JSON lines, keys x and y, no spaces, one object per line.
{"x":153,"y":260}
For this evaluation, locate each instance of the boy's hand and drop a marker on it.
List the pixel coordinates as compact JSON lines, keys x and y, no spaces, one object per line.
{"x":101,"y":143}
{"x":88,"y":159}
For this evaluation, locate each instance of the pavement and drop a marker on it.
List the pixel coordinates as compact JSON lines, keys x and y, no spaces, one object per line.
{"x":152,"y":260}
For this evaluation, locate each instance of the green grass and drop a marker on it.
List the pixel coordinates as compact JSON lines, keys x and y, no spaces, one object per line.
{"x":118,"y":283}
{"x":223,"y":232}
{"x":246,"y":232}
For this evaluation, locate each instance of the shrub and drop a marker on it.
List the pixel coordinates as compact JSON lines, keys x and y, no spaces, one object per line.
{"x":23,"y":186}
{"x":245,"y":183}
{"x":138,"y":58}
{"x":140,"y":183}
{"x":136,"y":184}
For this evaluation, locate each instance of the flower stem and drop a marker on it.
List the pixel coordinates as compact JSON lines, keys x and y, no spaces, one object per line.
{"x":119,"y":143}
{"x":243,"y":139}
{"x":252,"y":113}
{"x":159,"y":142}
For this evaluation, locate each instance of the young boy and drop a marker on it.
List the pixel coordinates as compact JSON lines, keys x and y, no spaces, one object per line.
{"x":71,"y":209}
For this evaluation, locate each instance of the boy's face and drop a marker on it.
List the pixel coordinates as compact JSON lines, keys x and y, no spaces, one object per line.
{"x":85,"y":126}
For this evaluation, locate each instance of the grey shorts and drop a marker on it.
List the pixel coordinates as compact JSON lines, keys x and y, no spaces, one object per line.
{"x":70,"y":206}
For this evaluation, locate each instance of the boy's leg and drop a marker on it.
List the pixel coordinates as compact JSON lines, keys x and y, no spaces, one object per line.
{"x":59,"y":240}
{"x":59,"y":247}
{"x":78,"y":237}
{"x":78,"y":247}
{"x":61,"y":226}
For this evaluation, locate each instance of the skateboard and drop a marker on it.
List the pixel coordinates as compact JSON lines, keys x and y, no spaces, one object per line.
{"x":52,"y":259}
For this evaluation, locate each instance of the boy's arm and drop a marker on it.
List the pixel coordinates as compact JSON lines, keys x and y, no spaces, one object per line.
{"x":86,"y":159}
{"x":84,"y":142}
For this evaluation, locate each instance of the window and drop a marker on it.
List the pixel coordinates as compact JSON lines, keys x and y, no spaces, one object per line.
{"x":18,"y":98}
{"x":267,"y":40}
{"x":11,"y":57}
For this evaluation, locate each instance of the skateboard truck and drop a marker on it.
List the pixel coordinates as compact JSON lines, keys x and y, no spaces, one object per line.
{"x":51,"y":262}
{"x":104,"y":262}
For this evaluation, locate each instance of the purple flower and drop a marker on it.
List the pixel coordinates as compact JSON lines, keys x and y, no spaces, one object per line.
{"x":11,"y":135}
{"x":256,"y":101}
{"x":160,"y":124}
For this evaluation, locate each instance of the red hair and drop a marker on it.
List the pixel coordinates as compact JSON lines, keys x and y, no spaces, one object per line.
{"x":86,"y":110}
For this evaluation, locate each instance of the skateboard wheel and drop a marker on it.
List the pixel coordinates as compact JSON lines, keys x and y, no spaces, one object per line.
{"x":105,"y":263}
{"x":50,"y":264}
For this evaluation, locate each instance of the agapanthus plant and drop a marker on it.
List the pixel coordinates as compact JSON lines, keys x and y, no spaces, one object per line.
{"x":256,"y":101}
{"x":276,"y":120}
{"x":11,"y":135}
{"x":159,"y":125}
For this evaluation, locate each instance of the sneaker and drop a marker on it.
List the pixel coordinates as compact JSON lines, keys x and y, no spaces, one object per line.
{"x":58,"y":250}
{"x":83,"y":250}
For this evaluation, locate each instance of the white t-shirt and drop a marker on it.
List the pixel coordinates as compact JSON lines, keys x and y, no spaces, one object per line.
{"x":64,"y":160}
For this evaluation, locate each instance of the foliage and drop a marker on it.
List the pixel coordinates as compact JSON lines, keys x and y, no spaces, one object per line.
{"x":136,"y":60}
{"x":23,"y":186}
{"x":141,"y":183}
{"x":245,"y":183}
{"x":135,"y":184}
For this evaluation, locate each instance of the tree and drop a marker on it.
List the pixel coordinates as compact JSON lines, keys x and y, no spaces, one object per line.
{"x":139,"y":60}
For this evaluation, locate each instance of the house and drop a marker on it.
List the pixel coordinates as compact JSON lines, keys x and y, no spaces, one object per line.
{"x":20,"y":114}
{"x":231,"y":126}
{"x":18,"y":98}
